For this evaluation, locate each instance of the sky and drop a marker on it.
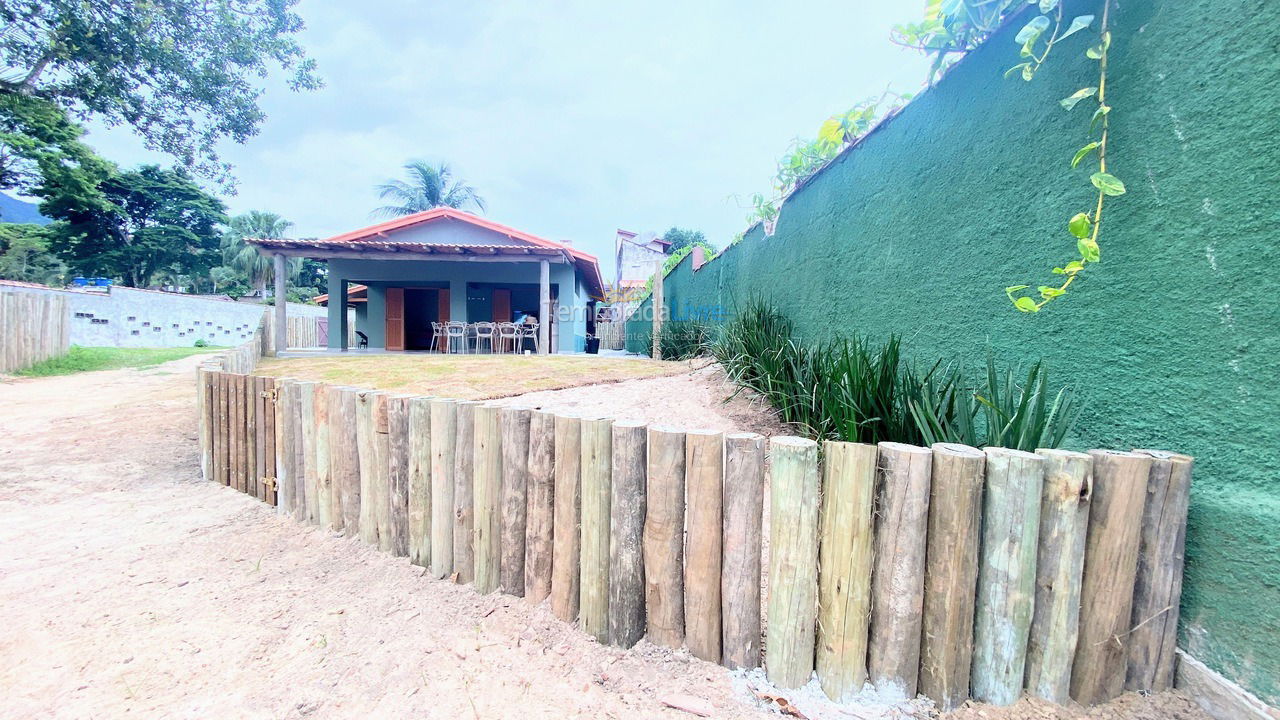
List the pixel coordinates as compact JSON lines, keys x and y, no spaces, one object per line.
{"x":572,"y":119}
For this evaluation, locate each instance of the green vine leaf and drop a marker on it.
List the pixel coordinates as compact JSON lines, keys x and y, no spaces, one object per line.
{"x":1026,"y":305}
{"x":1083,"y":152}
{"x":1032,"y":31}
{"x":1080,"y":225}
{"x":1089,"y":250}
{"x":1070,"y":102}
{"x":1101,"y":112}
{"x":1049,"y":293}
{"x":831,"y":131}
{"x":1109,"y":184}
{"x":1080,"y":23}
{"x":1020,"y":66}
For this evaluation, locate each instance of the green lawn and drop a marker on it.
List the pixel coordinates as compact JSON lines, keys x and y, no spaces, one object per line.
{"x":85,"y":359}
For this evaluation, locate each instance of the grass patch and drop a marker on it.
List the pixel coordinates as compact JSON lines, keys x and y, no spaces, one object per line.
{"x":467,"y":377}
{"x":87,"y":359}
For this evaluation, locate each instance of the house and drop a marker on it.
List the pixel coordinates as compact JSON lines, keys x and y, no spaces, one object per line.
{"x":638,"y":256}
{"x":448,"y":265}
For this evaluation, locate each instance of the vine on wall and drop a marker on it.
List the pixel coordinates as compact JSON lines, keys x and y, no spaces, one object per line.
{"x":948,"y":30}
{"x":956,"y":26}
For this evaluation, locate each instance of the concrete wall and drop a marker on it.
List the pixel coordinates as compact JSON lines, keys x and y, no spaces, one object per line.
{"x":1174,"y":339}
{"x":456,"y":275}
{"x":128,"y":317}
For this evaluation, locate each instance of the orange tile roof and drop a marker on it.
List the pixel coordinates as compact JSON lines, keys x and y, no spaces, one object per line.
{"x":375,"y":235}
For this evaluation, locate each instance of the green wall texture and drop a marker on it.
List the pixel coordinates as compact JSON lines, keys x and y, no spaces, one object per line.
{"x":1173,"y":339}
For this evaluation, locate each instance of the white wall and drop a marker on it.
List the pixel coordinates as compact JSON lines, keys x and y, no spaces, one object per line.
{"x":127,"y":317}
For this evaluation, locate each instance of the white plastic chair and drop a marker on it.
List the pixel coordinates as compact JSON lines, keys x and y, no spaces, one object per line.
{"x":484,"y":334}
{"x":509,"y":336}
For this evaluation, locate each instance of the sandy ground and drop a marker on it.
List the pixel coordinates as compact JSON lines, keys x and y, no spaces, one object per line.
{"x":128,"y":587}
{"x":698,"y":400}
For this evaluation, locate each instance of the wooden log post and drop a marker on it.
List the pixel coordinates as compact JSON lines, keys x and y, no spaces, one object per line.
{"x":487,"y":497}
{"x":261,"y":431}
{"x":540,"y":517}
{"x":216,"y":422}
{"x":1110,"y":569}
{"x":444,"y":436}
{"x":664,"y":537}
{"x":269,"y":433}
{"x":846,"y":524}
{"x":567,"y":534}
{"x":740,"y":577}
{"x":1157,"y":589}
{"x":310,"y":491}
{"x":704,"y":485}
{"x":464,"y":491}
{"x":398,"y":460}
{"x":951,"y":571}
{"x":344,"y":457}
{"x":225,"y":437}
{"x":793,"y":561}
{"x":595,"y":472}
{"x":382,"y":488}
{"x":626,"y":534}
{"x":1006,"y":574}
{"x":371,"y":447}
{"x":303,"y":455}
{"x":514,"y":424}
{"x":286,"y":395}
{"x":1064,"y":520}
{"x":204,"y":392}
{"x":324,"y":461}
{"x":420,"y":481}
{"x":251,"y":464}
{"x":235,"y":425}
{"x":897,"y":579}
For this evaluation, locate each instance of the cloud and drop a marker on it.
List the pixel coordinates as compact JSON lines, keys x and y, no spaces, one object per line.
{"x":572,"y":118}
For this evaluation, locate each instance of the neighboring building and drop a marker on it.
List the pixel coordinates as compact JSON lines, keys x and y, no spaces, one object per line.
{"x":637,"y":257}
{"x":449,"y":265}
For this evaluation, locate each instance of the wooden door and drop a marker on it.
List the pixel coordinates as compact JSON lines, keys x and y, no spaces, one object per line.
{"x":502,"y":305}
{"x":442,"y":298}
{"x":442,"y":312}
{"x":395,"y":318}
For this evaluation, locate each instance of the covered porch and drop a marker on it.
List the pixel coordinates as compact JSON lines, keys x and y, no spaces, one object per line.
{"x":406,"y":277}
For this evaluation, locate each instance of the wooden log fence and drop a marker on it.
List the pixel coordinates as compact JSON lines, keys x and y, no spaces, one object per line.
{"x":949,"y":570}
{"x":33,"y":327}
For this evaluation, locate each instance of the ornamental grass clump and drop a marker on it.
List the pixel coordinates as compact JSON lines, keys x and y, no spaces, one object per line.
{"x":861,"y":390}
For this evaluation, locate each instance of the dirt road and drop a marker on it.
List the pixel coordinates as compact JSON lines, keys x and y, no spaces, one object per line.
{"x":129,"y":587}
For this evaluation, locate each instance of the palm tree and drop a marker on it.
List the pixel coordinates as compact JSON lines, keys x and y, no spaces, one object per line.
{"x":428,"y":187}
{"x":243,"y":257}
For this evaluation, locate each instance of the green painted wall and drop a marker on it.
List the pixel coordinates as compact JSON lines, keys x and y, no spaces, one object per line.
{"x":1174,"y":338}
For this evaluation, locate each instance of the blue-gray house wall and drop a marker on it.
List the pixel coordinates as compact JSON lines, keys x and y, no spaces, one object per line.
{"x":566,"y":283}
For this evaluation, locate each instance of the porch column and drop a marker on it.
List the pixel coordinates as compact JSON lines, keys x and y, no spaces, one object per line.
{"x":337,"y":311}
{"x":282,"y":320}
{"x":544,"y":307}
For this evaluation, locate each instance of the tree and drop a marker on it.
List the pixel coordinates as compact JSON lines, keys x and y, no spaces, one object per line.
{"x":39,"y":145}
{"x":182,"y":73}
{"x":680,"y":238}
{"x":25,"y":255}
{"x":150,"y":219}
{"x":239,"y":255}
{"x":428,"y":187}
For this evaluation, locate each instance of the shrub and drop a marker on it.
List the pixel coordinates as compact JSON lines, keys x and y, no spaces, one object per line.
{"x":679,"y":340}
{"x":859,"y":390}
